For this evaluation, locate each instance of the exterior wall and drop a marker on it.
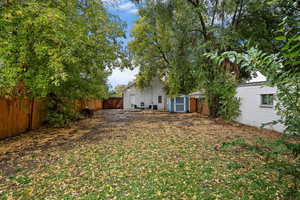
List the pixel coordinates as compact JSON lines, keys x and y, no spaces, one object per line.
{"x":147,"y":95}
{"x":252,"y":112}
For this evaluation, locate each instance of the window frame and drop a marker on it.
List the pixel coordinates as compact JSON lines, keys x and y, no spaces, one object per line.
{"x":269,"y":102}
{"x":159,"y":99}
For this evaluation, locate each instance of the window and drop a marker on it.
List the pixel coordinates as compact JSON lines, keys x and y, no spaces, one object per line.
{"x":179,"y":100}
{"x":159,"y":99}
{"x":267,"y":99}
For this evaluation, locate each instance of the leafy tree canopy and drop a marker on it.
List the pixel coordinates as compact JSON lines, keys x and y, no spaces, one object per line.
{"x":173,"y":37}
{"x":66,"y":47}
{"x":118,"y":91}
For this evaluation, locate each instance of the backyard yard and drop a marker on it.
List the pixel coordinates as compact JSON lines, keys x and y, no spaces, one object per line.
{"x":140,"y":155}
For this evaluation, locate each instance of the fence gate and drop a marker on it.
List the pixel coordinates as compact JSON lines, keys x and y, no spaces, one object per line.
{"x":113,"y":103}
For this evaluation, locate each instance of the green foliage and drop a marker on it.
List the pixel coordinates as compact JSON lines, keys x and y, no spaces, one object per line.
{"x":67,"y":48}
{"x":118,"y":91}
{"x":60,"y":111}
{"x":230,"y":104}
{"x":159,"y":50}
{"x":171,"y":39}
{"x":221,"y":95}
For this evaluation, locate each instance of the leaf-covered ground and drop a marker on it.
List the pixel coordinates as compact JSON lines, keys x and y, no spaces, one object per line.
{"x":139,"y":155}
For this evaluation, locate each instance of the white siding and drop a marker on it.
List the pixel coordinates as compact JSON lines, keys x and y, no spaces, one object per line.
{"x":252,"y":113}
{"x":147,"y":95}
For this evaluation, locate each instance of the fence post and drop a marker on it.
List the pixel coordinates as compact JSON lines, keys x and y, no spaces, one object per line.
{"x":31,"y":103}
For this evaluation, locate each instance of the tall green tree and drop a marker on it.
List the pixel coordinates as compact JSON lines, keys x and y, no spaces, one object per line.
{"x":180,"y":33}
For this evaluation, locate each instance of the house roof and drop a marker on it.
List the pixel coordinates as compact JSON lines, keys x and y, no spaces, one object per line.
{"x":129,"y":85}
{"x":253,"y":84}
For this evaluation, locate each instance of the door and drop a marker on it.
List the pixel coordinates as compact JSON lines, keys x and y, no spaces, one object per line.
{"x":179,"y":104}
{"x":132,"y":100}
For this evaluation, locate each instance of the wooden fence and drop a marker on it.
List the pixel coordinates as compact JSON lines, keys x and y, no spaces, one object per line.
{"x":18,"y":115}
{"x":113,"y":103}
{"x":95,"y":104}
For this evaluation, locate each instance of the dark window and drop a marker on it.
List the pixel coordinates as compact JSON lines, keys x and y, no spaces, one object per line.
{"x":159,"y":99}
{"x":267,"y":99}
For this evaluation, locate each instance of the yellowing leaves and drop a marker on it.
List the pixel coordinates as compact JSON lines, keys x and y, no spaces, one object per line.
{"x":8,"y":16}
{"x":19,"y":12}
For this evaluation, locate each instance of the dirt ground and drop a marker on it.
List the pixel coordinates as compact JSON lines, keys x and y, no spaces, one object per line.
{"x":109,"y":124}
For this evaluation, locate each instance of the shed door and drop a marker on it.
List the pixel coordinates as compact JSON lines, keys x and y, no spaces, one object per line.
{"x":179,"y":104}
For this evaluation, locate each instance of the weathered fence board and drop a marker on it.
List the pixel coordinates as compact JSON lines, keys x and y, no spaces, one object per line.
{"x":14,"y":116}
{"x":38,"y":113}
{"x":95,"y":104}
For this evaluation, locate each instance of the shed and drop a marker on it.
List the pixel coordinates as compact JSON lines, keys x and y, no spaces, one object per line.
{"x":178,"y":104}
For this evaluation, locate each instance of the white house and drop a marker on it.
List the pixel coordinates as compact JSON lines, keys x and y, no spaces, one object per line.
{"x":257,"y":102}
{"x":257,"y":105}
{"x":153,"y":97}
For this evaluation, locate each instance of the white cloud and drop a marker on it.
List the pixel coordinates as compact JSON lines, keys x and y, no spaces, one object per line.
{"x":126,"y":6}
{"x":110,"y":2}
{"x":122,"y":77}
{"x":134,"y":11}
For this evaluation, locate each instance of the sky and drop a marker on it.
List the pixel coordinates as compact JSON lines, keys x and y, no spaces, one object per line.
{"x":127,"y":12}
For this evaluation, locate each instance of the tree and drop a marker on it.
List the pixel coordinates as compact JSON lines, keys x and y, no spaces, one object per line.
{"x":58,"y":49}
{"x":118,"y":91}
{"x":179,"y":33}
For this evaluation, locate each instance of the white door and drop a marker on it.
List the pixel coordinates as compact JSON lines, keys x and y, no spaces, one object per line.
{"x":132,"y":100}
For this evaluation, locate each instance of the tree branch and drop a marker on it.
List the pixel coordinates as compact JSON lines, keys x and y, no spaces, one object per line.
{"x":215,"y":11}
{"x":235,"y":12}
{"x":240,"y":11}
{"x":163,"y":55}
{"x":196,"y":4}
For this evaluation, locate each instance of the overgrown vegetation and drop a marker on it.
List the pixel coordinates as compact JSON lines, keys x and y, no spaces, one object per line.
{"x":172,"y":38}
{"x":62,"y":49}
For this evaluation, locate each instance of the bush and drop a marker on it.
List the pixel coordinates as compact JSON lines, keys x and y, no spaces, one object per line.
{"x":60,"y":111}
{"x":222,"y":98}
